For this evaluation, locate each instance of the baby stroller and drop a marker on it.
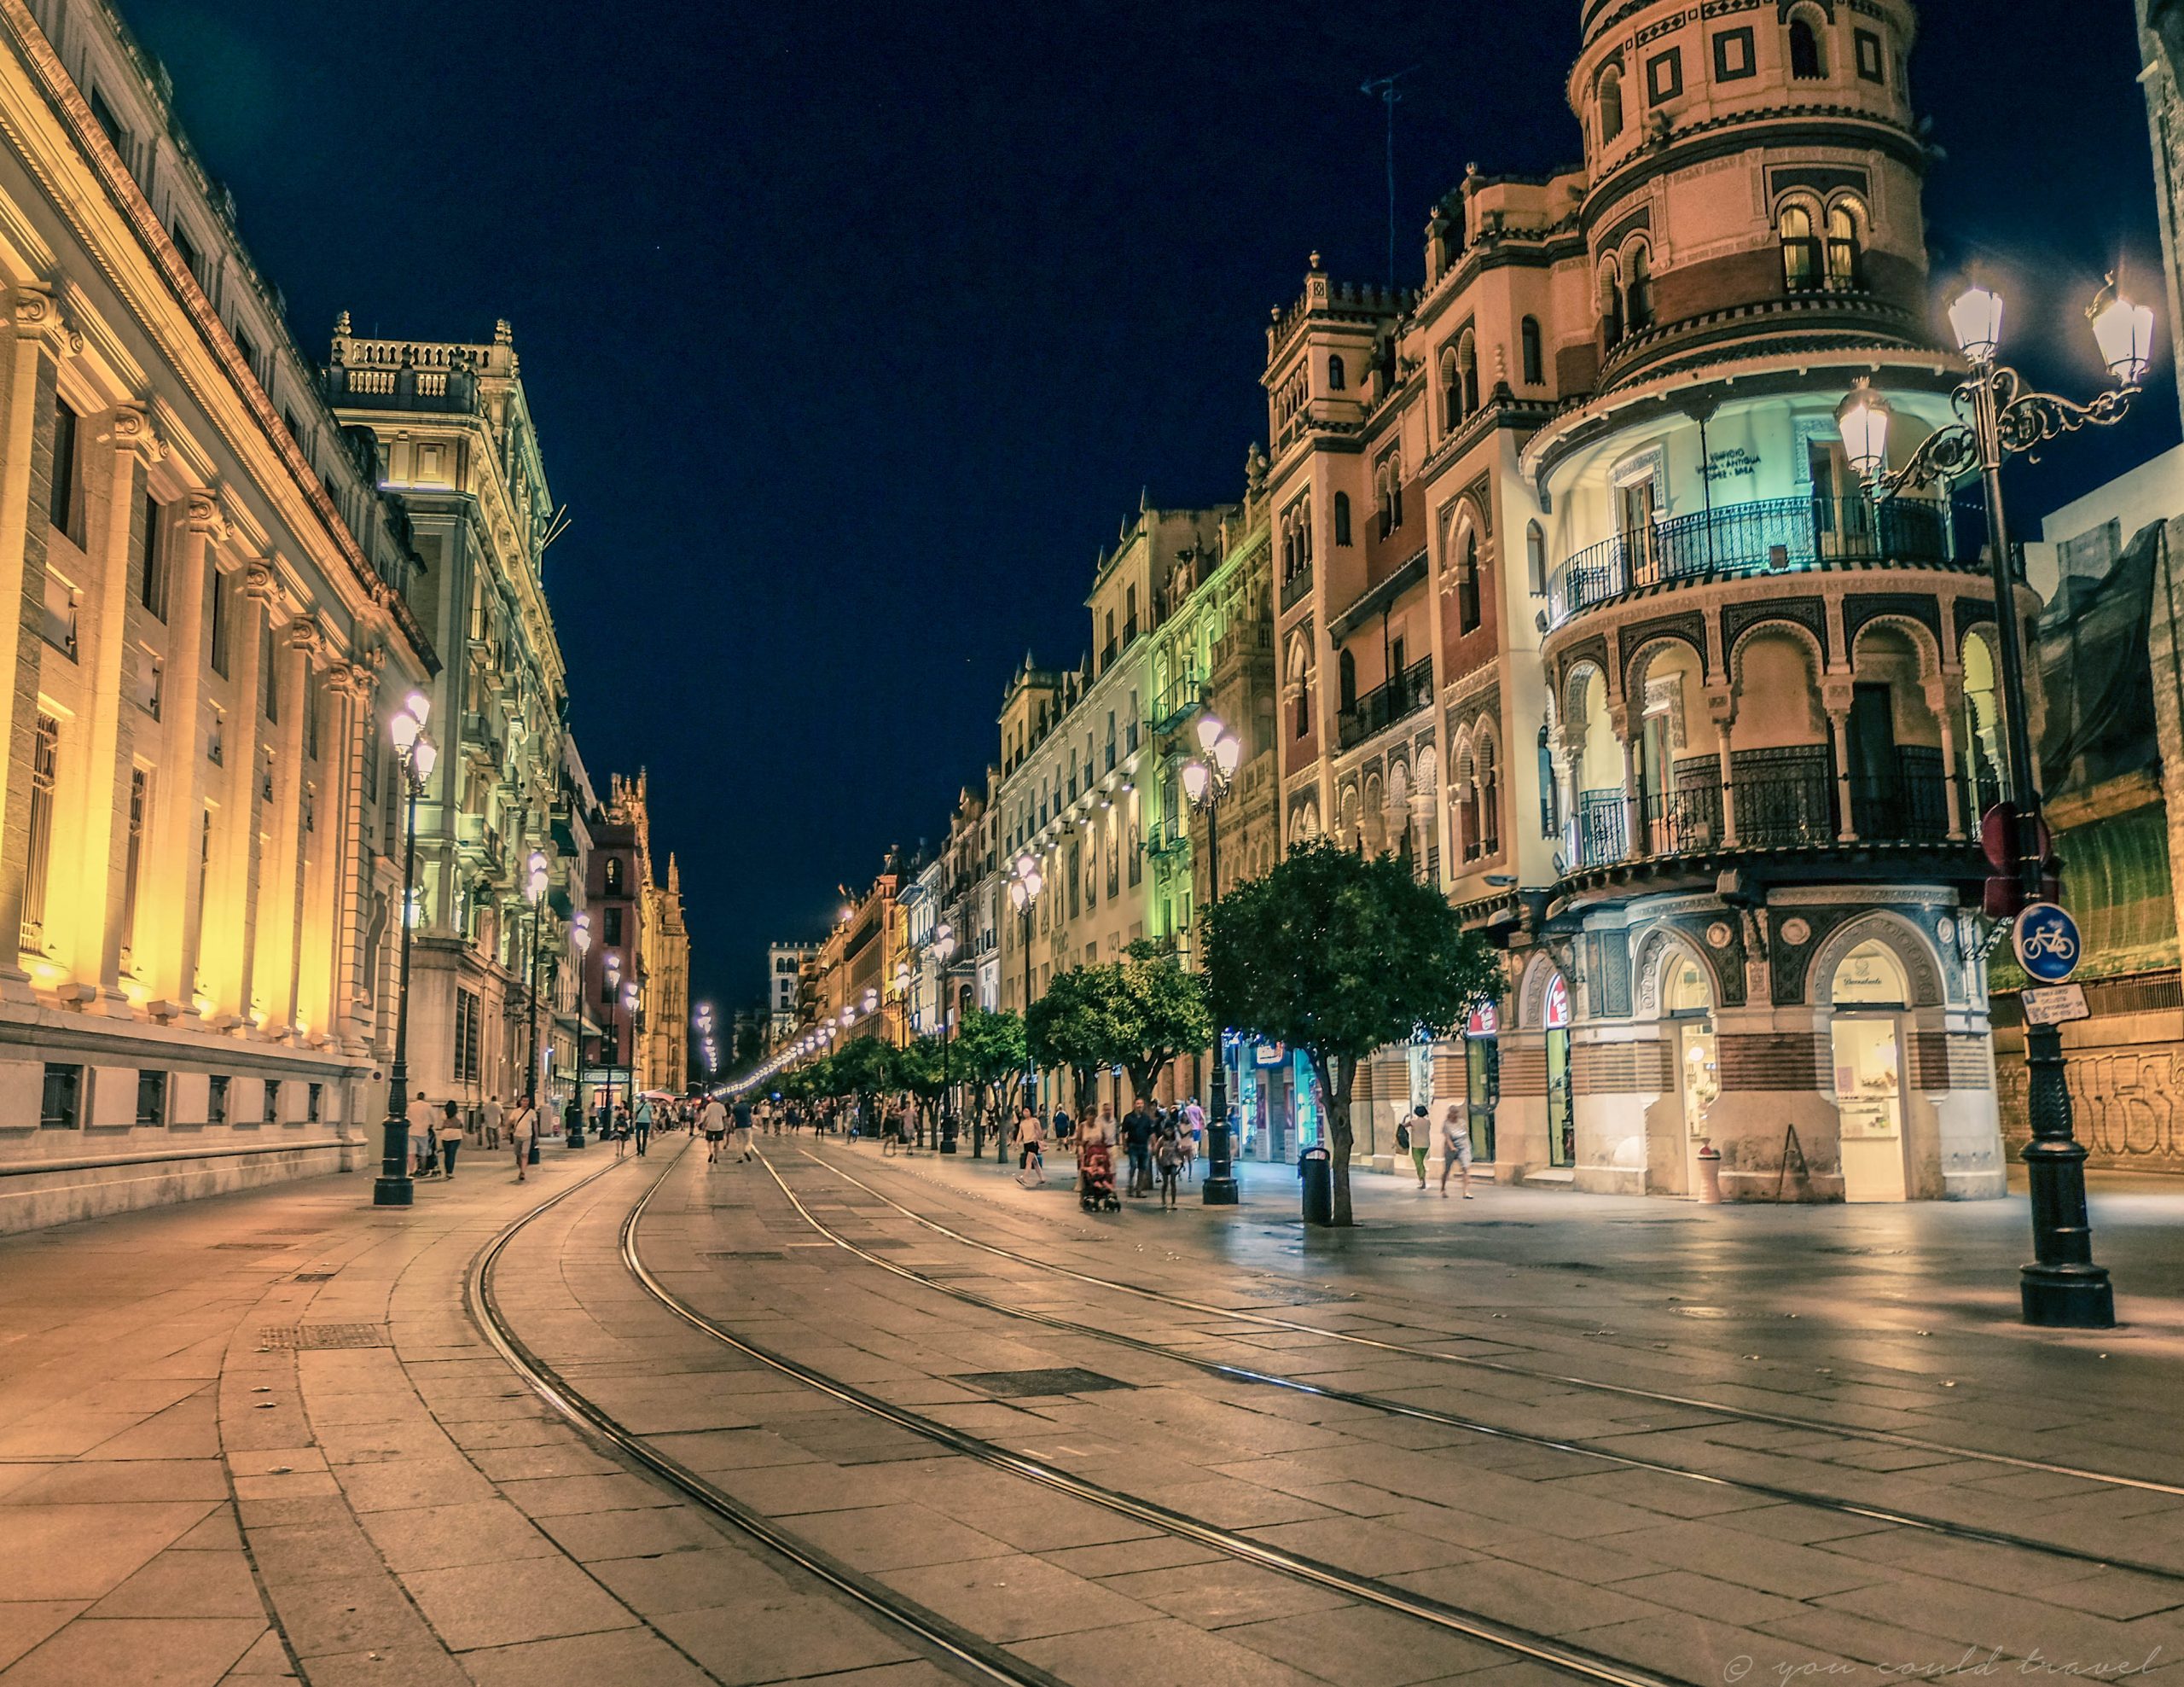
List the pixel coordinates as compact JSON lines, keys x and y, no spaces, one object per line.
{"x":1095,"y":1179}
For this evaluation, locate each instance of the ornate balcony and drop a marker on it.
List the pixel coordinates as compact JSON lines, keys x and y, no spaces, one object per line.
{"x":1769,"y":536}
{"x":1382,"y":707}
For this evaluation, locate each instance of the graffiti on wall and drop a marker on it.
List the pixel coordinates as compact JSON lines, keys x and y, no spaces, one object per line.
{"x":2124,"y":1105}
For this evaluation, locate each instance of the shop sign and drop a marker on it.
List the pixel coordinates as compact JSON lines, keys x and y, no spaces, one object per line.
{"x":1558,"y":1004}
{"x":2057,"y":1004}
{"x":1270,"y":1053}
{"x":1484,"y":1021}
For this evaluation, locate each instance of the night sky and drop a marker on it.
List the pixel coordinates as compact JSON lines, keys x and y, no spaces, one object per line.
{"x":852,"y":332}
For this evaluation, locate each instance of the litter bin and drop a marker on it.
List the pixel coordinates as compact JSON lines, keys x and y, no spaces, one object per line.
{"x":1316,"y":1166}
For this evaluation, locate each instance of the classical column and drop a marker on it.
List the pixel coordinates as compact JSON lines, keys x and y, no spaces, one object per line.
{"x":1838,"y":726}
{"x":359,"y":683}
{"x":167,"y":920}
{"x":318,"y":990}
{"x":1634,"y":802}
{"x":87,"y":881}
{"x":257,"y":604}
{"x":280,"y":895}
{"x":1722,"y":707}
{"x":1945,"y":697}
{"x":27,"y":388}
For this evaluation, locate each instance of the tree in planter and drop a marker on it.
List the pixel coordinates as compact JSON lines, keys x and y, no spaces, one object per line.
{"x":1155,"y":1012}
{"x":1068,"y":1027}
{"x":1339,"y":956}
{"x":989,"y":1052}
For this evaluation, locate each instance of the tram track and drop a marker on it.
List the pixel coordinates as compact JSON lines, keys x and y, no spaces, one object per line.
{"x":1741,"y":1414}
{"x":1518,"y":1643}
{"x":947,"y":1641}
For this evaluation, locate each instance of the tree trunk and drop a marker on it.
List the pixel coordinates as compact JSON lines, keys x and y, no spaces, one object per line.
{"x":1337,"y":1073}
{"x":1085,"y":1077}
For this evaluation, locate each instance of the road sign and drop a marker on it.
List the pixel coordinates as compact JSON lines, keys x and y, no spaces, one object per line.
{"x":2057,"y":1004}
{"x":2046,"y":942}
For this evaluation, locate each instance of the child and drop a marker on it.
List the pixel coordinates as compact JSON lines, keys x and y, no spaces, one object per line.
{"x":1168,"y":1156}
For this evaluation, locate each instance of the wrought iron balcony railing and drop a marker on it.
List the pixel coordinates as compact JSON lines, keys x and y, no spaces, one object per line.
{"x":1382,"y":707}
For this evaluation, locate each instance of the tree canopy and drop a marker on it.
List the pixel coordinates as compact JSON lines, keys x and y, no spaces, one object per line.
{"x":1338,"y":956}
{"x":1067,"y":1027}
{"x":1158,"y":1011}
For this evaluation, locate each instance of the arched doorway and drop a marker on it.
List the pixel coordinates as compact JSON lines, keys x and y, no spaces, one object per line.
{"x":1561,"y":1102}
{"x":1482,"y":1079}
{"x":1687,"y":1005}
{"x":1869,"y":993}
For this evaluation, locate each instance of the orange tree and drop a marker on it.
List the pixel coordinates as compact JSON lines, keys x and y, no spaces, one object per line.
{"x":1339,"y":956}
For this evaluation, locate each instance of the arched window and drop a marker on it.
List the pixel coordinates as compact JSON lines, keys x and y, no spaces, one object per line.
{"x":1610,"y":305}
{"x":1801,"y":272}
{"x":1468,"y":369}
{"x":1346,"y":678}
{"x":1468,"y":584}
{"x":1808,"y":63}
{"x":614,"y":875}
{"x":1490,"y":799}
{"x":1845,"y":262}
{"x":1335,"y":375}
{"x":1452,"y":391}
{"x":1383,"y":486}
{"x":1395,"y":493}
{"x":1533,"y":359}
{"x":1342,"y":517}
{"x":1638,"y":290}
{"x":1610,"y":104}
{"x":1536,"y":558}
{"x":1464,"y":792}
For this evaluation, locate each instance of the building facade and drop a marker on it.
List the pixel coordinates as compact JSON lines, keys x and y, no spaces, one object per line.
{"x":213,"y":604}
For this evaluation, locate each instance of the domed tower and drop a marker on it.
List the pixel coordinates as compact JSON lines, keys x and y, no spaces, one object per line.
{"x":1770,"y":700}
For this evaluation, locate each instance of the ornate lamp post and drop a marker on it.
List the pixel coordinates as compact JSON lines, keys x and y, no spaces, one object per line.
{"x":942,"y":951}
{"x":1026,"y":881}
{"x":613,"y":998}
{"x":580,"y":936}
{"x":630,"y":1011}
{"x":1997,"y":419}
{"x":1206,"y":778}
{"x":416,"y":753}
{"x":534,"y":892}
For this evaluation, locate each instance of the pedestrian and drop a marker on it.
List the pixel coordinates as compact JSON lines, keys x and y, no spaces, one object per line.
{"x":449,"y":1133}
{"x":712,"y":1119}
{"x":422,"y":1121}
{"x":1168,"y":1155}
{"x":1030,"y":1163}
{"x":642,"y":1119}
{"x":1137,"y":1138}
{"x":743,"y":1130}
{"x":521,"y":1123}
{"x":1455,"y":1149}
{"x":1193,"y":1133}
{"x":1064,"y":1126}
{"x":489,"y":1123}
{"x":619,"y":1128}
{"x":1416,"y":1134}
{"x":890,"y":1130}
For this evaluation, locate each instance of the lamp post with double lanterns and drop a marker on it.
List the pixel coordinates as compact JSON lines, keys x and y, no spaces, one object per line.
{"x":1026,"y":881}
{"x":1206,"y":778}
{"x":574,"y":1121}
{"x":1997,"y":418}
{"x":942,"y":948}
{"x":613,"y":998}
{"x":416,"y":755}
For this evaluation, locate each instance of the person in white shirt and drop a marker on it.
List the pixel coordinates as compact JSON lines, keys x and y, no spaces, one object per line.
{"x":1452,"y":1138}
{"x":423,"y":1160}
{"x":1193,"y":1133}
{"x":521,"y":1123}
{"x":489,"y":1123}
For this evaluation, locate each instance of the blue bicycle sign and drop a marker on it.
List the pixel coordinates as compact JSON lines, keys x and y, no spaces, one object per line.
{"x":2046,"y":942}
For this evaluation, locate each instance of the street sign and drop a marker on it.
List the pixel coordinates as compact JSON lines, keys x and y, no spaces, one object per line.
{"x":2057,"y":1004}
{"x":2046,"y":942}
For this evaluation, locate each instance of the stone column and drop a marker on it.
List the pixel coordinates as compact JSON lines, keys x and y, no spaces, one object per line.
{"x":1836,"y":700}
{"x":1945,"y":698}
{"x":280,"y":895}
{"x":1634,"y":799}
{"x":359,"y":682}
{"x":168,"y":896}
{"x":257,"y":604}
{"x":87,"y":886}
{"x":318,"y":991}
{"x":1722,"y":708}
{"x":27,"y":389}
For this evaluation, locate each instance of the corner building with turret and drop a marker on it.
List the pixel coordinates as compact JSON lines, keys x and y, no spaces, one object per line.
{"x":1580,"y":608}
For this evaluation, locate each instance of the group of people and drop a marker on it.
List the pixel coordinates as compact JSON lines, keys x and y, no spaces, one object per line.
{"x":1445,"y":1142}
{"x":436,"y":1133}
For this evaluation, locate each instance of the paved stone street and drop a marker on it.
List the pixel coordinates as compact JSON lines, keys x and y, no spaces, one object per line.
{"x":267,"y":1436}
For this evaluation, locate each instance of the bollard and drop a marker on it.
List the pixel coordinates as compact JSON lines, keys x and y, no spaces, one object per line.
{"x":1710,"y":1175}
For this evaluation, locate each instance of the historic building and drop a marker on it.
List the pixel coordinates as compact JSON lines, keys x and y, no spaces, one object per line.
{"x":665,"y":1063}
{"x":211,"y":605}
{"x":784,"y":967}
{"x":1583,"y":611}
{"x":457,"y":448}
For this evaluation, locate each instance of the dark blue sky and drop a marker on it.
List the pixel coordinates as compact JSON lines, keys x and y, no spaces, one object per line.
{"x":853,"y":331}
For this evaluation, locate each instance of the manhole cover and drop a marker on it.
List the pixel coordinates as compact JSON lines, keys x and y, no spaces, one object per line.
{"x":1024,"y":1384}
{"x":302,"y":1337}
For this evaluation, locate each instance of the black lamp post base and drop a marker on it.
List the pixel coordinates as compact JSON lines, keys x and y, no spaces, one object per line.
{"x":393,"y":1192}
{"x":2068,"y":1297}
{"x":1220,"y":1191}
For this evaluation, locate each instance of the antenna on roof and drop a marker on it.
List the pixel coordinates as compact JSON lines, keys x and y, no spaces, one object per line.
{"x":1384,"y":89}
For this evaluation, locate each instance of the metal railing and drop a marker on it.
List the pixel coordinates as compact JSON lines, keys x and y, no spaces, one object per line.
{"x":1382,"y":707}
{"x":1770,"y":535}
{"x":1786,"y":806}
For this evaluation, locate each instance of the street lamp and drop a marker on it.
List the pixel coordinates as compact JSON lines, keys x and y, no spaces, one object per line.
{"x":1206,"y":778}
{"x":630,"y":1012}
{"x":613,"y":979}
{"x":1024,"y":883}
{"x":572,"y":1126}
{"x":416,"y":753}
{"x":534,"y":892}
{"x":1997,"y":419}
{"x":942,"y":951}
